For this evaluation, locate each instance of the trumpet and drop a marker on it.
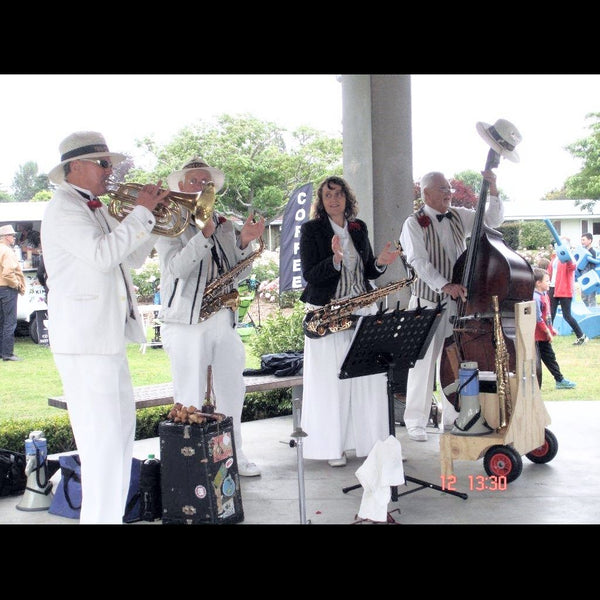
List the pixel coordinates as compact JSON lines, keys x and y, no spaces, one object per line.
{"x":174,"y":213}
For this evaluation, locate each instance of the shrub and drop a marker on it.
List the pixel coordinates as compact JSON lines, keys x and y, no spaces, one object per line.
{"x":280,"y":333}
{"x":145,"y":280}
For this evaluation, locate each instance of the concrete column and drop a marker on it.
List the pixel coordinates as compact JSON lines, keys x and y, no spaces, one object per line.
{"x":377,"y":139}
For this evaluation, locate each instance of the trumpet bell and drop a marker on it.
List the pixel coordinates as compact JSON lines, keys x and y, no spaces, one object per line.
{"x":175,"y":212}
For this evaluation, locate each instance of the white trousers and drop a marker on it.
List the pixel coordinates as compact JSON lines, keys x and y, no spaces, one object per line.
{"x":192,"y":348}
{"x":421,"y":377}
{"x":99,"y":394}
{"x":340,"y":414}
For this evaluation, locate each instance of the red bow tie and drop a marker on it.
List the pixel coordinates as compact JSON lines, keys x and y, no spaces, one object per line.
{"x":94,"y":204}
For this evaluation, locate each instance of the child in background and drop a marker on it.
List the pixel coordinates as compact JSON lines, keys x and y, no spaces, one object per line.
{"x":544,"y":331}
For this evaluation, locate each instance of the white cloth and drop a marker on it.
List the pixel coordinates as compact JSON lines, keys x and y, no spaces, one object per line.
{"x":340,"y":414}
{"x":102,"y":414}
{"x":381,"y":470}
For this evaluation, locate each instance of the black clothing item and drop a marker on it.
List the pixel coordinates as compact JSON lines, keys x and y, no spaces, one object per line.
{"x":316,"y":258}
{"x":565,"y":306}
{"x":545,"y":354}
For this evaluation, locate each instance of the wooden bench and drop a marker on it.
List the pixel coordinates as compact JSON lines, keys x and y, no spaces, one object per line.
{"x":162,"y":393}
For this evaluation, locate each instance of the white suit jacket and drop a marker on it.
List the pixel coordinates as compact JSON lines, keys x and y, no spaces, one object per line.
{"x":87,"y":301}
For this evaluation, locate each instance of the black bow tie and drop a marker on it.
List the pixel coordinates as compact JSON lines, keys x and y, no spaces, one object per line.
{"x":84,"y":195}
{"x":441,"y":217}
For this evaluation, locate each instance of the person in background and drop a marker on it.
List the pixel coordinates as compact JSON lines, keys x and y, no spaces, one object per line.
{"x":42,"y":275}
{"x":433,"y":238}
{"x":338,"y":263}
{"x":93,"y":314}
{"x":12,"y":284}
{"x":587,"y":239}
{"x":563,"y":274}
{"x":202,"y":255}
{"x":544,"y":331}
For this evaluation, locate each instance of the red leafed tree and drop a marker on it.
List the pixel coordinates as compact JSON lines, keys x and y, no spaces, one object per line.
{"x":463,"y":194}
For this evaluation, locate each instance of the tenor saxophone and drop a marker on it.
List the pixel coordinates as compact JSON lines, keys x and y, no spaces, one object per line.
{"x":338,"y":314}
{"x":215,"y":297}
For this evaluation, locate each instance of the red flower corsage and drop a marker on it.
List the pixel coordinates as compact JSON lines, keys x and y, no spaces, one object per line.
{"x":222,"y":220}
{"x":424,"y":220}
{"x":94,"y":204}
{"x":354,"y":226}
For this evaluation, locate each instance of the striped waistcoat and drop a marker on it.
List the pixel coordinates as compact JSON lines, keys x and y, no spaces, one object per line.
{"x":437,"y":253}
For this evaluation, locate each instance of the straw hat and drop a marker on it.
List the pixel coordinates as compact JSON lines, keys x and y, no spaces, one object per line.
{"x":217,"y":176}
{"x":82,"y":144}
{"x":502,"y":136}
{"x":7,"y":230}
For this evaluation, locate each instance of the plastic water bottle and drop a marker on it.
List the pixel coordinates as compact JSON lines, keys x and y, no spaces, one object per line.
{"x":150,"y":489}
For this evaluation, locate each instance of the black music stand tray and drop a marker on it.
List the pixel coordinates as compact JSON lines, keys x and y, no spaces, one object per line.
{"x":383,"y":343}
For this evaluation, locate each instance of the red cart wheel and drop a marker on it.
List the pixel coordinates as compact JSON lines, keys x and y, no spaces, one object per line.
{"x":547,"y":451}
{"x":503,"y":461}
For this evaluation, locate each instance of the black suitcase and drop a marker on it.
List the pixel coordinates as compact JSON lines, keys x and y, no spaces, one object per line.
{"x":199,"y":475}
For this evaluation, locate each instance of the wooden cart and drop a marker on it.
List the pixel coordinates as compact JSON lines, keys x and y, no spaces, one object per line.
{"x":525,"y":432}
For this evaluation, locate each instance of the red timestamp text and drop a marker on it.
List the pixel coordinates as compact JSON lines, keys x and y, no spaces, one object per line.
{"x":477,"y":483}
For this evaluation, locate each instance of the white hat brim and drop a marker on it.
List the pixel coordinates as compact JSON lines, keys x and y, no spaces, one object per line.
{"x":57,"y":174}
{"x":482,"y":130}
{"x":217,"y":177}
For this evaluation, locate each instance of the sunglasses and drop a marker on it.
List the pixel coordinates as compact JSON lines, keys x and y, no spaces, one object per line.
{"x":101,"y":162}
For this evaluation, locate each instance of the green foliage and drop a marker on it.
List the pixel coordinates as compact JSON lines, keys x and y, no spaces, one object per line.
{"x":57,"y":431}
{"x":534,"y":235}
{"x":261,"y":169}
{"x":510,"y":233}
{"x":264,"y":405}
{"x":148,"y":420}
{"x":27,"y":183}
{"x":145,"y":279}
{"x":42,"y":196}
{"x":266,"y":266}
{"x":280,"y":333}
{"x":6,"y":197}
{"x":585,"y":185}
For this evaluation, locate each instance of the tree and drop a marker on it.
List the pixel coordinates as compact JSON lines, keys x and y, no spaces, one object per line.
{"x":585,"y":186}
{"x":262,"y":164}
{"x":27,"y":182}
{"x":6,"y":197}
{"x":42,"y":196}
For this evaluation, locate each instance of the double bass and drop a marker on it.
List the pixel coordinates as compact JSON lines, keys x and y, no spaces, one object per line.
{"x":487,"y":268}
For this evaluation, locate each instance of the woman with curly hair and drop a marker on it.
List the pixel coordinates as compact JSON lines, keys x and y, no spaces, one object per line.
{"x":338,"y":263}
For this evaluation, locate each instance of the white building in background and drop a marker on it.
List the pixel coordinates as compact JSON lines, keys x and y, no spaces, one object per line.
{"x":568,"y":219}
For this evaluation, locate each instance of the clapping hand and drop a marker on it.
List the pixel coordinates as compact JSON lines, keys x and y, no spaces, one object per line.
{"x":251,"y":230}
{"x":387,"y":256}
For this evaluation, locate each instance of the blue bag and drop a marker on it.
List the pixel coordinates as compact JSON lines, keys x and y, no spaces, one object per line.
{"x":67,"y":496}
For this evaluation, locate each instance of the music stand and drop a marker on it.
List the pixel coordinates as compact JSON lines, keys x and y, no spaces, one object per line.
{"x":382,"y":343}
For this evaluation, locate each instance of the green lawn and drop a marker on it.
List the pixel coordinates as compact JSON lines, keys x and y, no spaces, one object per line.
{"x":26,"y":385}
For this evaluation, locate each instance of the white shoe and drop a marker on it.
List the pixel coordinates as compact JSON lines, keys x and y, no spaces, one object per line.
{"x":245,"y":467}
{"x":338,"y":462}
{"x":417,"y":434}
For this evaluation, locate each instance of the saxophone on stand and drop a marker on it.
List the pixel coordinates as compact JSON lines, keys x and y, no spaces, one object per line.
{"x":502,"y":368}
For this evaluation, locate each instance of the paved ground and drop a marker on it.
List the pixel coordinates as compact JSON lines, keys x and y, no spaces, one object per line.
{"x":564,"y":491}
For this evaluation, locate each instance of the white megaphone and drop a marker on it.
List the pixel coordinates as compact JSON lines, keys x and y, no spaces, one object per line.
{"x":470,"y":420}
{"x":38,"y":492}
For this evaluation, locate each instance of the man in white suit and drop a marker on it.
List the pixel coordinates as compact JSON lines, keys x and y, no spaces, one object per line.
{"x":93,"y":314}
